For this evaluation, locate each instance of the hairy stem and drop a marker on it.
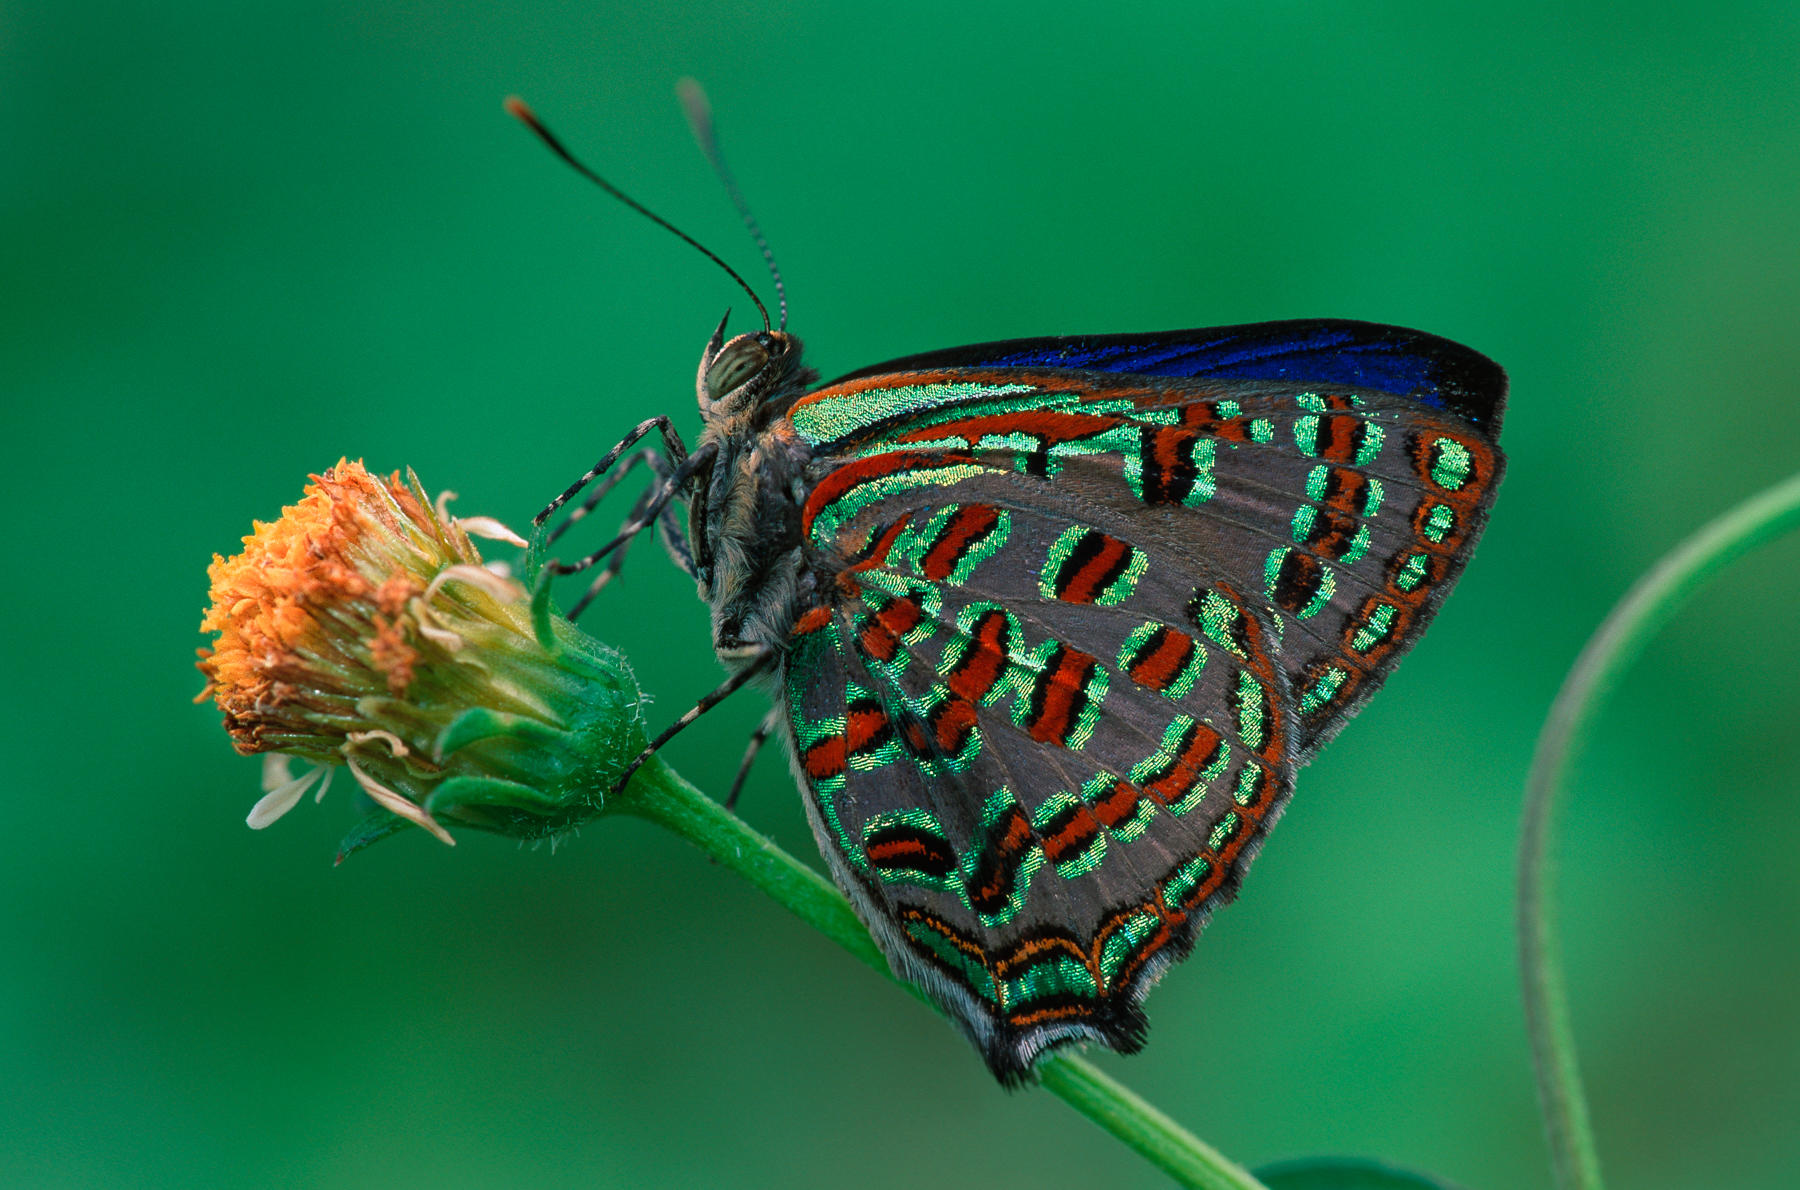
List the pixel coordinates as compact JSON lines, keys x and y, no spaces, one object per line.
{"x":661,"y":795}
{"x":1617,"y":642}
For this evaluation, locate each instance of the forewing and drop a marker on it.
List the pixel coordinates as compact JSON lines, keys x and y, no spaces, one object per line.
{"x":1348,"y":513}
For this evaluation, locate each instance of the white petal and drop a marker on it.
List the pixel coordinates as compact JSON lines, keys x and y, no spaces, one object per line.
{"x":442,"y":637}
{"x":393,"y":802}
{"x":329,"y":771}
{"x":276,"y":772}
{"x":280,"y":800}
{"x":395,"y":744}
{"x":488,"y":527}
{"x":475,"y":576}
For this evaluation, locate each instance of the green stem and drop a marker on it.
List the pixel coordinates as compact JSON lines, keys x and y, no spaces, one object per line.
{"x":661,"y":795}
{"x":1619,"y":639}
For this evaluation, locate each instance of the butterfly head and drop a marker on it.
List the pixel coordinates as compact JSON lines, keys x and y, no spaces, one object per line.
{"x":750,"y":374}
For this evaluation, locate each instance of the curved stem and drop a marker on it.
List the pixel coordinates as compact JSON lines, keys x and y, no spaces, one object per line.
{"x":661,"y":795}
{"x":1643,"y":610}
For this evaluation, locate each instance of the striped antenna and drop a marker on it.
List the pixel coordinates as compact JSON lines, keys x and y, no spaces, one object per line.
{"x":516,"y":108}
{"x":699,"y":114}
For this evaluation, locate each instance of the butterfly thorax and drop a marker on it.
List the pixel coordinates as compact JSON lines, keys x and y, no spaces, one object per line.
{"x":744,"y":512}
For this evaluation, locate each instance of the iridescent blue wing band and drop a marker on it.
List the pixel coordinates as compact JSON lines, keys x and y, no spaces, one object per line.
{"x":1391,"y":359}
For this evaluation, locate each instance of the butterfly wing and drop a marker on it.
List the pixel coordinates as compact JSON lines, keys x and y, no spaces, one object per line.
{"x":1073,"y":635}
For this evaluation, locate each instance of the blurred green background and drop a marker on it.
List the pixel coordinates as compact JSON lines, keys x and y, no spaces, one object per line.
{"x":238,"y":241}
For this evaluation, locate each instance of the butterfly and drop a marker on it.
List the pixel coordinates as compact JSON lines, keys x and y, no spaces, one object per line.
{"x":1050,"y":624}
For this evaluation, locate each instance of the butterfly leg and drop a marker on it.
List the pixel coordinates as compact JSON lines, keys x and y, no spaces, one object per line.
{"x":707,"y":702}
{"x":756,"y":742}
{"x":653,"y":508}
{"x":672,"y":444}
{"x":648,"y":457}
{"x":668,"y":531}
{"x":668,"y":527}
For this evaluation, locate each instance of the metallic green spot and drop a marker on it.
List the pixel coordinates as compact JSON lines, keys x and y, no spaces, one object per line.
{"x":927,"y":595}
{"x":1370,"y":445}
{"x":881,"y":448}
{"x":1304,"y":518}
{"x":1117,"y":406}
{"x":1120,"y":589}
{"x":1438,"y":522}
{"x":1316,"y":481}
{"x":1377,"y":493}
{"x":1306,"y":434}
{"x":1323,"y":689}
{"x":940,"y":765}
{"x":1375,"y":629}
{"x":1009,"y":442}
{"x":1201,"y":457}
{"x":1228,"y":409}
{"x":1218,"y":617}
{"x":1262,"y":430}
{"x":1451,"y":464}
{"x":1250,"y":784}
{"x":1185,"y":879}
{"x":1119,"y":440}
{"x":916,"y":541}
{"x":1250,"y":708}
{"x":1411,"y":573}
{"x":1224,"y":831}
{"x":1312,"y":402}
{"x":1359,"y":545}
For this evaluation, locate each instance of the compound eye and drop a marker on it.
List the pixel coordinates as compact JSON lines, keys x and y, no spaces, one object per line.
{"x":737,"y":363}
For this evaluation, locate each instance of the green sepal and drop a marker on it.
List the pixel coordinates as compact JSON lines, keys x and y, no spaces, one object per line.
{"x":536,"y":555}
{"x":492,"y":793}
{"x":481,"y":723}
{"x":375,"y":826}
{"x":542,"y":625}
{"x":1345,"y":1173}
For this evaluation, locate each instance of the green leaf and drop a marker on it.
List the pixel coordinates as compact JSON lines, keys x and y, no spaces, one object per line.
{"x":1345,"y":1173}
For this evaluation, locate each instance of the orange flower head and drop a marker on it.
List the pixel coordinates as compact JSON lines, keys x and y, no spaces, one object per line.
{"x":361,"y":628}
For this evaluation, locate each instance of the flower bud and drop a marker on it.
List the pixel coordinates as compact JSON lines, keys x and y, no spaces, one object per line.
{"x":362,"y":629}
